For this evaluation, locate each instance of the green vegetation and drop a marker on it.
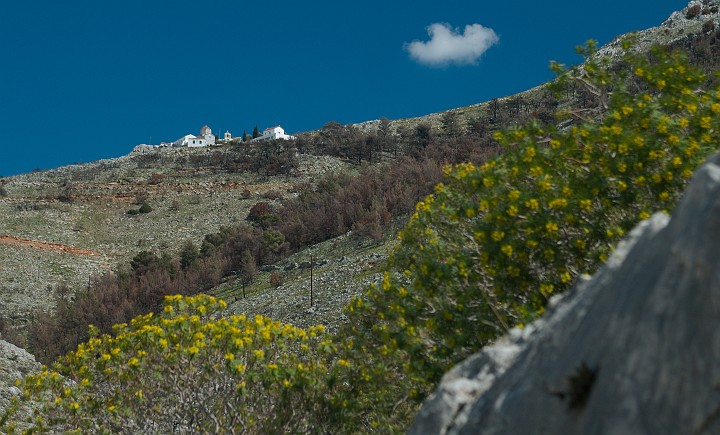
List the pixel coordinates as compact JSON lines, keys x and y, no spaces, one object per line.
{"x":495,"y":242}
{"x":184,"y":371}
{"x":483,"y":254}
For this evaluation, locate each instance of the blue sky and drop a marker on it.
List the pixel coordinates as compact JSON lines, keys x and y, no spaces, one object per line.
{"x":84,"y":80}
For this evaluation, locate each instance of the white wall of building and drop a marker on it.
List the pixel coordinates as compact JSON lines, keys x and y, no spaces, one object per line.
{"x":273,"y":133}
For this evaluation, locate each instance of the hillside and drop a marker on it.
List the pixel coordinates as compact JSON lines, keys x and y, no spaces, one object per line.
{"x":64,"y":226}
{"x":68,"y":224}
{"x":83,"y":208}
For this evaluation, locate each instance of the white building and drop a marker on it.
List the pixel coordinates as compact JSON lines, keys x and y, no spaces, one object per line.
{"x":204,"y":139}
{"x":227,"y":137}
{"x":273,"y":133}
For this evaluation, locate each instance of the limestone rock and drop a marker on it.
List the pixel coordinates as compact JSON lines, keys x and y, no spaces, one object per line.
{"x":15,"y":363}
{"x":633,"y":350}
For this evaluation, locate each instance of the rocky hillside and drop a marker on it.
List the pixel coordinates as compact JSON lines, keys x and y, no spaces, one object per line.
{"x":632,"y":350}
{"x":341,"y":268}
{"x":67,"y":224}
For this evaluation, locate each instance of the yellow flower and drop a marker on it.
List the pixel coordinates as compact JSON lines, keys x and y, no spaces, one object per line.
{"x":133,"y":362}
{"x":558,"y":203}
{"x":529,"y":154}
{"x":514,"y":194}
{"x":498,"y":235}
{"x":565,"y":277}
{"x":229,"y":356}
{"x":193,"y":350}
{"x":344,"y":363}
{"x":512,"y":211}
{"x":532,"y":204}
{"x":259,"y":353}
{"x":551,"y":227}
{"x":507,"y":250}
{"x":544,"y":185}
{"x":546,"y":289}
{"x":585,"y":204}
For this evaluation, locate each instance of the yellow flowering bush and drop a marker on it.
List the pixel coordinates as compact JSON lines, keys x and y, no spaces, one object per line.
{"x":184,"y":371}
{"x":495,"y":242}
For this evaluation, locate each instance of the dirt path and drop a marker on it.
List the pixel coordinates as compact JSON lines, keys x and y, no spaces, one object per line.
{"x":57,"y":247}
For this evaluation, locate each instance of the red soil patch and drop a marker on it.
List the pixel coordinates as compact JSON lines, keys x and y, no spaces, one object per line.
{"x":57,"y":247}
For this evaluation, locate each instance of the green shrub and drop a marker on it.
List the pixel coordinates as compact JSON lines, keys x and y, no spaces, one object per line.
{"x":487,"y":250}
{"x":183,"y":370}
{"x":145,"y":208}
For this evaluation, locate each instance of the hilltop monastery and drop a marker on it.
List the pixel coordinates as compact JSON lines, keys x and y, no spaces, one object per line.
{"x":207,"y":138}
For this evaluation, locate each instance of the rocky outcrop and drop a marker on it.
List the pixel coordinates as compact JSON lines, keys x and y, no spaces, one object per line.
{"x":15,"y":363}
{"x":634,"y":350}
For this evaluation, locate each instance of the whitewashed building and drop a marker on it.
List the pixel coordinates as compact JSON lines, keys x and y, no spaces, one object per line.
{"x":227,"y":136}
{"x":204,"y":139}
{"x":273,"y":133}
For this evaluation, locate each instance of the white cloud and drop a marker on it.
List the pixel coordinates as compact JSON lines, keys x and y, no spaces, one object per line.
{"x":447,"y":46}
